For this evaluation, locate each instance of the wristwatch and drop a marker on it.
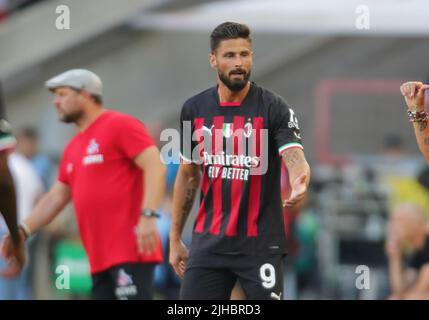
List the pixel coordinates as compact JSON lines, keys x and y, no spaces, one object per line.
{"x":150,"y":213}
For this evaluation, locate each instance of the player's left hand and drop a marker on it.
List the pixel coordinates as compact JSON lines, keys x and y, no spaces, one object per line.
{"x":14,"y":254}
{"x":299,"y":190}
{"x":147,"y":235}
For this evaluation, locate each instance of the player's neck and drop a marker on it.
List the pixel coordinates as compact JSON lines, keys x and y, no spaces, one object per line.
{"x":89,"y":118}
{"x":226,"y":95}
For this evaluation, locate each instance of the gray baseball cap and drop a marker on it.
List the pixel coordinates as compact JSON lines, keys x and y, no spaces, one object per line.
{"x":80,"y":79}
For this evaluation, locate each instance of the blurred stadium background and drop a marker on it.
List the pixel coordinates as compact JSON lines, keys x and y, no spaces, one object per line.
{"x":343,"y":83}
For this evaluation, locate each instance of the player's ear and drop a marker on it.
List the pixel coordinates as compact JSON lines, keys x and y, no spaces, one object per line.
{"x":86,"y":95}
{"x":212,"y":60}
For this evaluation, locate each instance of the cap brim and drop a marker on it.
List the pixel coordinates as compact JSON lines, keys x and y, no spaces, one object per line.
{"x":53,"y":85}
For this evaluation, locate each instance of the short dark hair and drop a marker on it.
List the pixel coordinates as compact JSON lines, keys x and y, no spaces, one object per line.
{"x":95,"y":97}
{"x":29,"y":132}
{"x":228,"y":30}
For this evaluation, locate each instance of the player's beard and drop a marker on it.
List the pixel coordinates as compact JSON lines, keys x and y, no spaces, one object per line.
{"x":71,"y":117}
{"x":235,"y":85}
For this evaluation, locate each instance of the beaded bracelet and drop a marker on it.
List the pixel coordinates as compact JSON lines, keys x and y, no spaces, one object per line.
{"x":417,"y":116}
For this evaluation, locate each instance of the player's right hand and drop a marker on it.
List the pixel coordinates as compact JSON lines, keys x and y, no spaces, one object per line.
{"x":14,"y":254}
{"x":414,"y":94}
{"x":178,"y":256}
{"x":299,"y":190}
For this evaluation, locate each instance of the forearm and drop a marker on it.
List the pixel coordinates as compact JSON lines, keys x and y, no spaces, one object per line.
{"x":49,"y":206}
{"x":8,"y":199}
{"x":296,"y":165}
{"x":185,"y":188}
{"x":396,"y":275}
{"x":154,"y":186}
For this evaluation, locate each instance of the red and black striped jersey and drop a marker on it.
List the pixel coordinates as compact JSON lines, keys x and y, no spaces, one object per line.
{"x":238,"y":147}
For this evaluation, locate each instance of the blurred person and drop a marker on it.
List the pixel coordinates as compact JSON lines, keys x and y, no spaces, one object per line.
{"x":408,"y":236}
{"x":15,"y":252}
{"x":166,"y":282}
{"x":112,"y":172}
{"x":27,"y":142}
{"x":414,"y":95}
{"x":28,"y":146}
{"x":239,"y":230}
{"x":395,"y":160}
{"x":396,"y":173}
{"x":29,"y":189}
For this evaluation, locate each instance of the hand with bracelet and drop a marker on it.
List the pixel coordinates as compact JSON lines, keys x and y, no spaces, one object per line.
{"x":414,"y":94}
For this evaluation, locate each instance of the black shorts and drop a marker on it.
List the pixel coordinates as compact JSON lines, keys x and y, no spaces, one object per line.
{"x":212,"y":277}
{"x":127,"y":281}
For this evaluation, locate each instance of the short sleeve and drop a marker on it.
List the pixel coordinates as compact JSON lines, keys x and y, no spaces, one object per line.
{"x":133,"y":137}
{"x":64,"y":169}
{"x":284,"y":126}
{"x":186,"y":130}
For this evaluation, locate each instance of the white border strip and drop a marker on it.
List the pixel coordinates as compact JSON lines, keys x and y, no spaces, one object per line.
{"x":289,"y":146}
{"x":7,"y":143}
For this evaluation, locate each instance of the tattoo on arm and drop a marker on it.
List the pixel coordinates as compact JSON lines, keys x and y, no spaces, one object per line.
{"x":180,"y":220}
{"x":291,"y":157}
{"x":426,"y":141}
{"x":189,"y":200}
{"x":423,"y":125}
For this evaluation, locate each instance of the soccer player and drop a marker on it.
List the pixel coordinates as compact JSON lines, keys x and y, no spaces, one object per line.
{"x":112,"y":172}
{"x":15,"y":252}
{"x":414,"y":95}
{"x":239,"y":134}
